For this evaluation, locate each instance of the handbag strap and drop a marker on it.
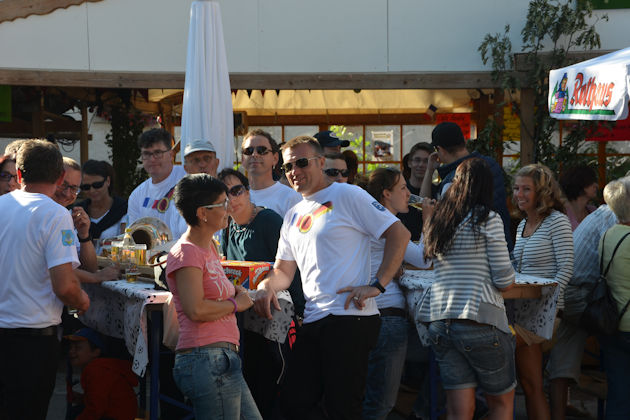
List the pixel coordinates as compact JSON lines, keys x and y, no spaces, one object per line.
{"x":601,"y":260}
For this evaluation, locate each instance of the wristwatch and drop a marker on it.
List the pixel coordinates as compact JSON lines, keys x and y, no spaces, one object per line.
{"x":378,"y":285}
{"x":82,"y":240}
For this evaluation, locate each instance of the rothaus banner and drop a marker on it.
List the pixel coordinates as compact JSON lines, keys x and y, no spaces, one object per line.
{"x":596,"y":89}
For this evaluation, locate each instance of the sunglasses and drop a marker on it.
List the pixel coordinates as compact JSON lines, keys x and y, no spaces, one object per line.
{"x":6,"y":176}
{"x":261,"y":150}
{"x":95,"y":185}
{"x":332,"y":172}
{"x":300,"y":163}
{"x":237,"y":190}
{"x":223,"y":204}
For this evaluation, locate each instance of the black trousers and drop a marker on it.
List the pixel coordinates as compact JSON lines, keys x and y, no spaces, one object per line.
{"x":328,"y":368}
{"x":28,"y":369}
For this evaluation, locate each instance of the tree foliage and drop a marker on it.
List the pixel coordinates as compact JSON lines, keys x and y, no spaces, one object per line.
{"x":127,"y":124}
{"x":552,"y":30}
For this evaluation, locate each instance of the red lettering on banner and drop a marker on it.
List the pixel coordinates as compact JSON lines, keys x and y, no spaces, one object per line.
{"x":591,"y":93}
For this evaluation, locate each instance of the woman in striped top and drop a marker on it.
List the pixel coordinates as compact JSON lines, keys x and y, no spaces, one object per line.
{"x":544,"y":248}
{"x":469,"y":330}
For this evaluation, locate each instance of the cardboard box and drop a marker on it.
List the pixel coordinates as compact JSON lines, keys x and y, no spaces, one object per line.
{"x":245,"y":273}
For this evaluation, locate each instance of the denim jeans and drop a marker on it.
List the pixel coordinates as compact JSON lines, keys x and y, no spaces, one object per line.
{"x":212,"y":379}
{"x":385,"y":368}
{"x":616,"y":360}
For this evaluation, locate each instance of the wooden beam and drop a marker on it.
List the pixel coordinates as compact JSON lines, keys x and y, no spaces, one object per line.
{"x":324,"y":120}
{"x":527,"y":126}
{"x":83,"y":141}
{"x":163,"y":80}
{"x":521,"y":63}
{"x":14,"y":9}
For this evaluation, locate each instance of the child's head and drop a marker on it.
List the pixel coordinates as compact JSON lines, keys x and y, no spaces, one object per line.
{"x":85,"y":346}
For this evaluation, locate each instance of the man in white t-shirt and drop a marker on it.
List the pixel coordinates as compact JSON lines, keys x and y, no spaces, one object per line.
{"x":37,"y":257}
{"x":152,"y":198}
{"x":260,"y":155}
{"x":341,"y":320}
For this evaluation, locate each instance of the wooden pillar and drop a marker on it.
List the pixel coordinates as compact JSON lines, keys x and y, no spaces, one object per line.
{"x":83,"y":142}
{"x":498,"y":105}
{"x":37,"y":118}
{"x":527,"y":126}
{"x":601,"y":163}
{"x":483,"y":112}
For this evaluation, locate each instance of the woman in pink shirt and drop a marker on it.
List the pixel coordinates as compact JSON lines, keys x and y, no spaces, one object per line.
{"x":207,"y":365}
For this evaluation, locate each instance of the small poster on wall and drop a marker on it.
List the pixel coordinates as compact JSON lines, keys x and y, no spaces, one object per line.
{"x":383,"y":144}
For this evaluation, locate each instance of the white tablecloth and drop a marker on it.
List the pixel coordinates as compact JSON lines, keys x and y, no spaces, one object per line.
{"x":118,"y":309}
{"x":538,"y":318}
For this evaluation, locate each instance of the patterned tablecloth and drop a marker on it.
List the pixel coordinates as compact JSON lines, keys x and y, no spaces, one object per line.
{"x":119,"y":309}
{"x":538,"y":318}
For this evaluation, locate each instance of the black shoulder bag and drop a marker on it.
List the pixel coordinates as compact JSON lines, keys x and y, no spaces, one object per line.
{"x":601,"y":317}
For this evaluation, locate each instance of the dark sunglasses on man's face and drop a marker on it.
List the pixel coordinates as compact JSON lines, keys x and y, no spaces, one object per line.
{"x":332,"y":172}
{"x":300,"y":163}
{"x":237,"y":190}
{"x":95,"y":185}
{"x":261,"y":150}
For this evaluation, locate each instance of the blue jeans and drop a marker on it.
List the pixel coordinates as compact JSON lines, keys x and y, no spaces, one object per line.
{"x":385,"y":368}
{"x":212,"y":379}
{"x":471,"y":354}
{"x":616,"y":360}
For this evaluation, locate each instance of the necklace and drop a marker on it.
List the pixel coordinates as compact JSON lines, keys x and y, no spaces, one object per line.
{"x":242,"y":228}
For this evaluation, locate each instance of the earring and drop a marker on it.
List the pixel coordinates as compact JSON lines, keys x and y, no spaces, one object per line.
{"x":205,"y":220}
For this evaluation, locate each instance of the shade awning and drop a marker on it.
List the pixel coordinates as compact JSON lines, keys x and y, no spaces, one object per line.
{"x":595,"y":89}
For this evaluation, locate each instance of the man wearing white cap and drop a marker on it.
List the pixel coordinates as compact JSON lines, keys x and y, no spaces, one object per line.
{"x":200,"y":157}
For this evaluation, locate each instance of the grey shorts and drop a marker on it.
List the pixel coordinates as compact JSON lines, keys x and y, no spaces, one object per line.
{"x":470,"y":355}
{"x":565,"y":360}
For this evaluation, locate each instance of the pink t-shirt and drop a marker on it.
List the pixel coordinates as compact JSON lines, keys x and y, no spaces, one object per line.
{"x":216,"y":286}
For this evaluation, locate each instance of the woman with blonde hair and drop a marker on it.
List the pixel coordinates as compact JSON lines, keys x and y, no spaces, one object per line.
{"x":544,"y":248}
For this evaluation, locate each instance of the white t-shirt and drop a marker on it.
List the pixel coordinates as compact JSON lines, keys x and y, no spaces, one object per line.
{"x":278,"y":198}
{"x":39,"y":235}
{"x":393,"y":296}
{"x":148,"y":200}
{"x":328,"y":235}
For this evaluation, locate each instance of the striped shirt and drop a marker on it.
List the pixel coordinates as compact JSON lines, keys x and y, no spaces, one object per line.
{"x":548,"y":252}
{"x":468,"y":276}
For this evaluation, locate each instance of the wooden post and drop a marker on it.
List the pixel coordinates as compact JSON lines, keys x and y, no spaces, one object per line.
{"x":83,"y":142}
{"x":498,"y":116}
{"x":527,"y":126}
{"x":37,"y":118}
{"x":601,"y":163}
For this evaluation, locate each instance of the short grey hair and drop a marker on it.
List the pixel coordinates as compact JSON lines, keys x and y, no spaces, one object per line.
{"x":617,"y":196}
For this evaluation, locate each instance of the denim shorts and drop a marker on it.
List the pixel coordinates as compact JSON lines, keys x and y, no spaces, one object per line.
{"x":472,"y":355}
